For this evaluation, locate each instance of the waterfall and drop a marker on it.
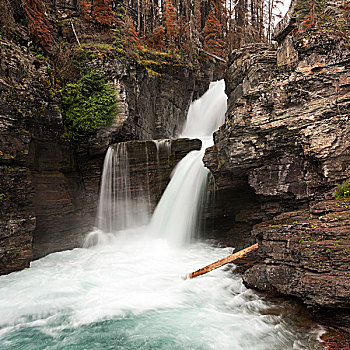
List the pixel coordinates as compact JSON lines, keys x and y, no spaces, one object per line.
{"x":119,"y":206}
{"x":206,"y":114}
{"x":177,"y":214}
{"x":127,"y":293}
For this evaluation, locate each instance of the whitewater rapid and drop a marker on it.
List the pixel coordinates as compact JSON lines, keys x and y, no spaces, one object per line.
{"x":127,"y":293}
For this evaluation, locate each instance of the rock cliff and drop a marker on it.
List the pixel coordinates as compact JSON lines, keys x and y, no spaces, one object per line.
{"x":283,"y":147}
{"x":305,"y":254}
{"x":49,"y":184}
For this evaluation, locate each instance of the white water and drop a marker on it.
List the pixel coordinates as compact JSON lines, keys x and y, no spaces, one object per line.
{"x":118,"y":209}
{"x":177,"y":215}
{"x":127,"y":292}
{"x":207,"y":113}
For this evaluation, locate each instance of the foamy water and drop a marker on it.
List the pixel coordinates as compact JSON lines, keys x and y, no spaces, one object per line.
{"x":127,"y":293}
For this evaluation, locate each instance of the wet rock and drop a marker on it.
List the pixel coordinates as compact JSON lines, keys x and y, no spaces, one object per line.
{"x":307,"y":256}
{"x":17,"y":220}
{"x":71,"y":199}
{"x":283,"y":147}
{"x":56,"y":186}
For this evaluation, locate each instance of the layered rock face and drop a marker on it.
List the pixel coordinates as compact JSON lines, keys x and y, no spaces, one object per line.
{"x":152,"y":162}
{"x":49,"y":185}
{"x":306,"y":254}
{"x":286,"y":144}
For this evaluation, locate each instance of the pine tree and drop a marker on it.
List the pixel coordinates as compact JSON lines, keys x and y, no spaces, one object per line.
{"x":86,"y":8}
{"x":212,"y":32}
{"x":38,"y":24}
{"x":170,"y":22}
{"x":132,"y":36}
{"x":102,"y":13}
{"x":310,"y":13}
{"x":197,"y":13}
{"x":156,"y":40}
{"x":218,"y":25}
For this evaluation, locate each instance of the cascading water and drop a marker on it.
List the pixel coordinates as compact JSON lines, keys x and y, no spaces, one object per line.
{"x":119,"y":207}
{"x":126,"y":292}
{"x":177,"y":215}
{"x":115,"y":209}
{"x":207,"y":113}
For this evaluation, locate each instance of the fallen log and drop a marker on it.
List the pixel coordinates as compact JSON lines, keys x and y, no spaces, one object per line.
{"x":212,"y":55}
{"x":222,"y":262}
{"x":74,"y":32}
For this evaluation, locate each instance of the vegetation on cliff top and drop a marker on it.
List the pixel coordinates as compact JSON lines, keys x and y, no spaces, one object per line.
{"x":88,"y":104}
{"x":216,"y":26}
{"x":318,"y":16}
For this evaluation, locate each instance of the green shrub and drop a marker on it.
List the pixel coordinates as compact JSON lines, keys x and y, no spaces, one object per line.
{"x":343,"y":190}
{"x":88,"y":104}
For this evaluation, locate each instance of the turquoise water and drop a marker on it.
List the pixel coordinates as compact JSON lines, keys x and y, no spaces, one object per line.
{"x":127,"y":293}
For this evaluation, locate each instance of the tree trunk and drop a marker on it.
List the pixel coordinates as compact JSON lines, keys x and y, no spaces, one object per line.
{"x":222,"y":262}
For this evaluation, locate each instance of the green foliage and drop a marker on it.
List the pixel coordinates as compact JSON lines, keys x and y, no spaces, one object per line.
{"x":39,"y":56}
{"x":4,"y":196}
{"x":88,"y":104}
{"x":96,"y":46}
{"x":342,"y":190}
{"x":310,"y":13}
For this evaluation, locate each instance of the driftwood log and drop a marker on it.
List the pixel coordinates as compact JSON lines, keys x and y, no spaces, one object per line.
{"x":222,"y":262}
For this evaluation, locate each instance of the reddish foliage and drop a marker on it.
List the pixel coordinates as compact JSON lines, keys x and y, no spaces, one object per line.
{"x":86,"y":8}
{"x":212,"y":33}
{"x":38,"y":24}
{"x":156,"y":40}
{"x":170,"y":22}
{"x":133,"y":38}
{"x":102,"y":13}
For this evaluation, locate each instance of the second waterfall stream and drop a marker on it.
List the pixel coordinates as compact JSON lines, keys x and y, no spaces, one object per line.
{"x":126,"y":291}
{"x":176,"y":215}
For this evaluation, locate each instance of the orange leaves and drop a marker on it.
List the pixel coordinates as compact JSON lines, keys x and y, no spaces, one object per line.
{"x":132,"y":36}
{"x":156,"y":40}
{"x":311,"y":14}
{"x":102,"y":13}
{"x":38,"y":23}
{"x":86,"y":8}
{"x":170,"y":22}
{"x":212,"y":34}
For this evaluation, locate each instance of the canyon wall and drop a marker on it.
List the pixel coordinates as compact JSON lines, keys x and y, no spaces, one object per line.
{"x":284,"y":146}
{"x":49,"y":183}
